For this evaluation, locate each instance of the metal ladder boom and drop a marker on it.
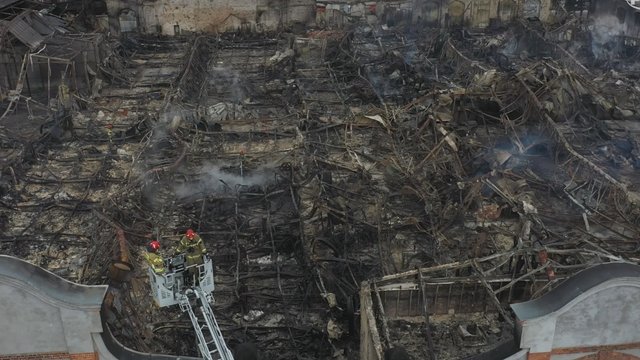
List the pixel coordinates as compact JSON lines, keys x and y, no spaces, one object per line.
{"x":211,"y":328}
{"x":212,"y":325}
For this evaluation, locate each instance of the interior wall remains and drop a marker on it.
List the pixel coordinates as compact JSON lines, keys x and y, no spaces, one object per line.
{"x":44,"y":74}
{"x":175,"y":17}
{"x":436,"y":13}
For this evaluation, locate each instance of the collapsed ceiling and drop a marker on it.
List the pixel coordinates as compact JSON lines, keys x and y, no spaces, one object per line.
{"x":312,"y":162}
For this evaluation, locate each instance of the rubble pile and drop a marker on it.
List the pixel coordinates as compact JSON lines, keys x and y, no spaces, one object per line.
{"x":309,"y":164}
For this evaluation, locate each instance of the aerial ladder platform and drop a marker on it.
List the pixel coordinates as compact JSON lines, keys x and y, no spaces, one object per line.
{"x":191,"y":288}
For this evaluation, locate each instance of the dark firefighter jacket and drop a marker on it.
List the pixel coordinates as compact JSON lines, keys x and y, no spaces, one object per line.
{"x":194,"y":249}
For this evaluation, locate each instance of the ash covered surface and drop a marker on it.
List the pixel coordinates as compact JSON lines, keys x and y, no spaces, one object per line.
{"x":311,"y":163}
{"x":457,"y":336}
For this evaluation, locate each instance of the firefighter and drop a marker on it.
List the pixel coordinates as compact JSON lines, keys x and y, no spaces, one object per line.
{"x":192,"y":245}
{"x":155,"y":261}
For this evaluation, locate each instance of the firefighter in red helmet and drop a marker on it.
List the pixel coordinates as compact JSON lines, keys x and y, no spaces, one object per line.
{"x":192,"y":245}
{"x":153,"y":258}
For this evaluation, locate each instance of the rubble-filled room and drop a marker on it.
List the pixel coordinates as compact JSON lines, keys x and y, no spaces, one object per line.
{"x":379,"y":175}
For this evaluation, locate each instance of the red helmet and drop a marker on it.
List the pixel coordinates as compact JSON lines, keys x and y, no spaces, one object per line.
{"x":190,"y":234}
{"x":153,"y":246}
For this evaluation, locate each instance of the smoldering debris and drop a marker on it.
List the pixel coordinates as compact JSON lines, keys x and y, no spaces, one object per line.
{"x":210,"y":179}
{"x":372,"y":153}
{"x":605,"y":33}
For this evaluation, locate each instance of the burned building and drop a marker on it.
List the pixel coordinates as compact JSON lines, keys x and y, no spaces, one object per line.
{"x":364,"y":176}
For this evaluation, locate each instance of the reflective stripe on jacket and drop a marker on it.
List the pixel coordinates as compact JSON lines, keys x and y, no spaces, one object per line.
{"x":155,"y":261}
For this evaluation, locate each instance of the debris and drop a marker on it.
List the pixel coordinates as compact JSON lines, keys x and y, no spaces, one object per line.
{"x":498,"y":163}
{"x":281,"y":56}
{"x":253,"y":315}
{"x":468,"y":331}
{"x":331,"y":299}
{"x":334,"y":330}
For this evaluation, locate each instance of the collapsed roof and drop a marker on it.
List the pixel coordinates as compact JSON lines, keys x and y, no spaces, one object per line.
{"x":498,"y":164}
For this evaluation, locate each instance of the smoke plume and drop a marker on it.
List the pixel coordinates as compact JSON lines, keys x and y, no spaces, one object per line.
{"x":604,"y":32}
{"x":213,"y":178}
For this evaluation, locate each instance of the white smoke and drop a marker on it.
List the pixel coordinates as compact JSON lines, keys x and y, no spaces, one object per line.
{"x":604,"y":31}
{"x":213,"y":178}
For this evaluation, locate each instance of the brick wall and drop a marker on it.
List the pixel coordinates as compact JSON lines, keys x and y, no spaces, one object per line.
{"x":84,"y":356}
{"x":51,"y":356}
{"x":539,"y":356}
{"x":604,"y":352}
{"x":608,"y":355}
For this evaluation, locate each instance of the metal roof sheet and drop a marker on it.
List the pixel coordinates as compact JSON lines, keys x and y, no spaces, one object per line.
{"x":25,"y":33}
{"x":32,"y":28}
{"x":26,"y":276}
{"x":572,"y":287}
{"x":41,"y":24}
